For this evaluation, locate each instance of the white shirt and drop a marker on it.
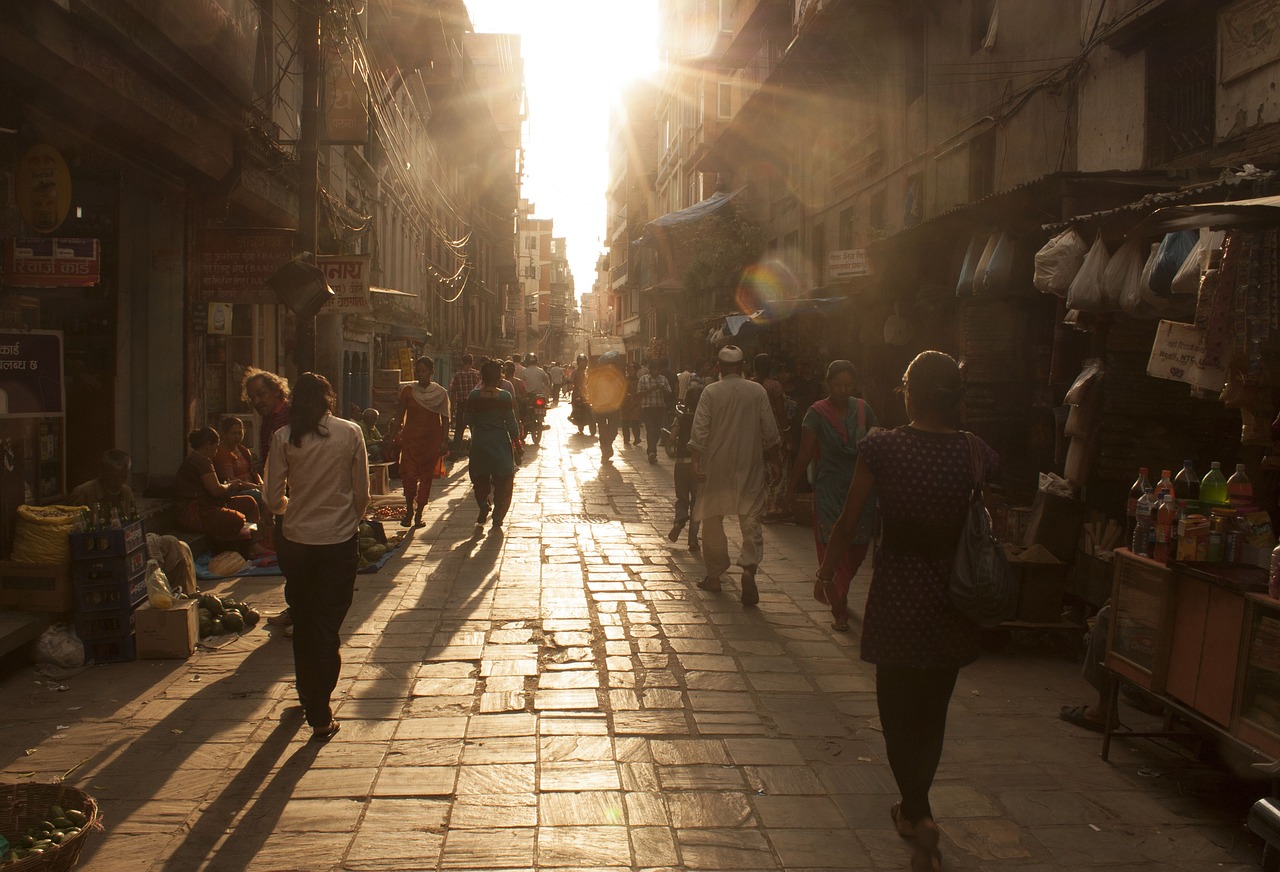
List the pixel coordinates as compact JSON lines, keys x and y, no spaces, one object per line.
{"x":536,"y":380}
{"x":327,"y":478}
{"x":557,"y":375}
{"x":733,"y":426}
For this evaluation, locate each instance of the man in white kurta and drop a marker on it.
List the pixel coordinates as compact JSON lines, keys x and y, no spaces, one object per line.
{"x":732,"y":429}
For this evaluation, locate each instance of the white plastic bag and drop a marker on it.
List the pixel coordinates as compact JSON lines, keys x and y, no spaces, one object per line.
{"x":1131,"y":300}
{"x":980,"y":271}
{"x":1058,"y":262}
{"x":998,"y":275}
{"x":1085,"y":293}
{"x":59,"y":645}
{"x":158,"y":593}
{"x":1123,"y":274}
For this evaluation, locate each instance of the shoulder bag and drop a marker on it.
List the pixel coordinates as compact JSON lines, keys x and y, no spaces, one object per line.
{"x":981,"y":585}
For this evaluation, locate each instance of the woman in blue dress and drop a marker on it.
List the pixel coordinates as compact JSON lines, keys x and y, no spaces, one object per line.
{"x":829,"y":436}
{"x":495,"y":445}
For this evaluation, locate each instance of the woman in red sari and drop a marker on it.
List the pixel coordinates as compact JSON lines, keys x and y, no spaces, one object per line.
{"x":424,"y":420}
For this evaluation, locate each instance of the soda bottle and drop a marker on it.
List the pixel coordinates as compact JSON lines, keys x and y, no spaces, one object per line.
{"x":1239,"y":488}
{"x":1144,"y":524}
{"x":1135,"y":494}
{"x":1166,"y":517}
{"x":1186,"y":484}
{"x":1213,"y":487}
{"x":1164,"y":486}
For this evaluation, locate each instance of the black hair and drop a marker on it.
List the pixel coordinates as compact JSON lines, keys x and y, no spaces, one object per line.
{"x":313,"y":398}
{"x":936,"y":387}
{"x":114,"y":458}
{"x":491,"y":373}
{"x":424,"y":359}
{"x":227,"y":422}
{"x":762,"y":365}
{"x":840,"y":367}
{"x":202,"y":436}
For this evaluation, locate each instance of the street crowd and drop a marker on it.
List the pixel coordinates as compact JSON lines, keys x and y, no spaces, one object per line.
{"x":727,"y":431}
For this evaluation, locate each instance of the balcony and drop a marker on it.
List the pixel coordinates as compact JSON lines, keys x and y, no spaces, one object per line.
{"x":617,"y":277}
{"x":631,"y":326}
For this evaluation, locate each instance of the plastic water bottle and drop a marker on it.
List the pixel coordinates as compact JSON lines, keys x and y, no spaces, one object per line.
{"x":1186,"y":484}
{"x":1166,"y":518}
{"x":1240,"y":489}
{"x":1144,"y":524}
{"x":1213,"y":487}
{"x":1136,"y":490}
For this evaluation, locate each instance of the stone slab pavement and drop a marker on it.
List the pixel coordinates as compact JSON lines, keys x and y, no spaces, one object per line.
{"x":559,"y":696}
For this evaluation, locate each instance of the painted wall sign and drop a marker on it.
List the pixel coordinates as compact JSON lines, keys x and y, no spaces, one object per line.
{"x":1248,"y":37}
{"x":348,"y":275}
{"x":847,"y":264}
{"x":31,"y":373}
{"x":236,"y":263}
{"x":52,"y":262}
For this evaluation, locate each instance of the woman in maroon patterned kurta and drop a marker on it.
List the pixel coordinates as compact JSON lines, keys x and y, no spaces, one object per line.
{"x":921,"y":474}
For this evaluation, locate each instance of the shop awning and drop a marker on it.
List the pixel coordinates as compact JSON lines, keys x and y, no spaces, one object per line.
{"x":736,"y":324}
{"x":389,"y":292}
{"x":1258,"y":212}
{"x":692,"y":214}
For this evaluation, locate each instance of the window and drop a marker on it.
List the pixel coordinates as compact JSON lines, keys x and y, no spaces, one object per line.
{"x":724,"y":100}
{"x":1181,"y":88}
{"x":532,"y":243}
{"x":848,"y":232}
{"x":982,"y":166}
{"x":818,"y":252}
{"x":981,"y":14}
{"x":877,"y":213}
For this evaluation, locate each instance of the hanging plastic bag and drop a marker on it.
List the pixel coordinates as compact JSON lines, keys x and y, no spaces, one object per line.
{"x":158,"y":593}
{"x":60,"y":646}
{"x":998,"y":276}
{"x":1058,"y":262}
{"x":1187,"y":280}
{"x":1131,"y":301}
{"x":1123,"y":274}
{"x":964,"y":286}
{"x":1174,"y":250}
{"x":1085,"y":293}
{"x":980,"y":271}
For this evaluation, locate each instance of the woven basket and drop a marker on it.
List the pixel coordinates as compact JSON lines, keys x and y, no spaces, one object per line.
{"x":22,"y":806}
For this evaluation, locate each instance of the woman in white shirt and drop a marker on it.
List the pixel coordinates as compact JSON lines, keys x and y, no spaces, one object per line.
{"x":320,"y":460}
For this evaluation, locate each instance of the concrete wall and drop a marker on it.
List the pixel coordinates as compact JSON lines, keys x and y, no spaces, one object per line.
{"x":1112,"y":120}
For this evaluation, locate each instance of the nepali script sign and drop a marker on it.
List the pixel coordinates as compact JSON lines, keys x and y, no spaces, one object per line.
{"x":348,"y":275}
{"x":846,"y":264}
{"x":51,"y":262}
{"x":31,"y":373}
{"x":235,"y":263}
{"x":1178,"y":355}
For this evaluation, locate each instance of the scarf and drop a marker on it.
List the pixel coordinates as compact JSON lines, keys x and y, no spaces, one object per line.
{"x":827,"y":409}
{"x":433,"y":398}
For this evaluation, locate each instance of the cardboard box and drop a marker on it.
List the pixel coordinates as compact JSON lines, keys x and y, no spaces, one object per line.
{"x":167,"y":634}
{"x":36,"y":587}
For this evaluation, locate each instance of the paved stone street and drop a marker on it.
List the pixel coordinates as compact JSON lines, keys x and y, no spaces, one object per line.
{"x":562,"y":697}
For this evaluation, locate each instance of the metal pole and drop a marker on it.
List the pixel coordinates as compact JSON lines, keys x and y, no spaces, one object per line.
{"x":304,"y":354}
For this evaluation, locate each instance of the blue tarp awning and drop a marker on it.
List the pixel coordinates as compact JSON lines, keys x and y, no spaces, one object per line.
{"x":691,"y":215}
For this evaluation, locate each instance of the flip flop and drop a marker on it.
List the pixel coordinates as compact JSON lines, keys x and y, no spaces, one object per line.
{"x":840,"y":626}
{"x":1076,"y":715}
{"x":324,"y":734}
{"x":927,"y":857}
{"x":904,"y":827}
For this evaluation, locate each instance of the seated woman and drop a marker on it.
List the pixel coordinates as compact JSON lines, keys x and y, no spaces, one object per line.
{"x":210,"y":505}
{"x":234,"y":462}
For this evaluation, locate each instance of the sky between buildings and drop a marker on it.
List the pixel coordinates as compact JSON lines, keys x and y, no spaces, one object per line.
{"x":578,"y":55}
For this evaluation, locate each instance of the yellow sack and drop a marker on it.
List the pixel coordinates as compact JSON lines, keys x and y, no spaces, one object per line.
{"x":41,"y":534}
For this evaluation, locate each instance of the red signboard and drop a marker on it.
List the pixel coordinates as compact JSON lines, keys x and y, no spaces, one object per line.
{"x":52,"y":263}
{"x":236,"y":263}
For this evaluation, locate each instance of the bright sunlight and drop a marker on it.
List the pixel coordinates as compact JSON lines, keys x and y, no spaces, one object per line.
{"x":578,"y":56}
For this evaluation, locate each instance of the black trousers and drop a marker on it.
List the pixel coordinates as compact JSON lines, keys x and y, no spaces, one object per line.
{"x":607,"y":422}
{"x":319,"y":581}
{"x":913,"y":715}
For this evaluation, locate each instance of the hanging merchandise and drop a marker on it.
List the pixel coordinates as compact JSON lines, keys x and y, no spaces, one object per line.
{"x":897,"y":330}
{"x":1131,"y":302}
{"x":1237,"y":305}
{"x":1123,"y":273}
{"x":997,"y":278}
{"x":1187,"y":281}
{"x":1058,"y":262}
{"x":980,"y":271}
{"x":1085,"y":293}
{"x":1174,"y":250}
{"x":964,"y":286}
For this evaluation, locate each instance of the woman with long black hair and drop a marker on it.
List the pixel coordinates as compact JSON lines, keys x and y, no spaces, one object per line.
{"x":320,"y":459}
{"x":922,"y":475}
{"x":495,"y":445}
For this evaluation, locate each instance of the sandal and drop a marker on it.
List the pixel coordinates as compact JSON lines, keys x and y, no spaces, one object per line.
{"x":324,"y":734}
{"x":904,"y":827}
{"x":1078,"y":715}
{"x":926,"y":857}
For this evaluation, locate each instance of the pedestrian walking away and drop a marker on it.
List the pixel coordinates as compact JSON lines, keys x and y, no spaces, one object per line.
{"x":654,"y":390}
{"x":732,"y":430}
{"x":464,"y":381}
{"x":424,"y":423}
{"x":495,"y":446}
{"x":556,"y":374}
{"x":685,"y":482}
{"x":317,"y":483}
{"x":915,"y":636}
{"x":607,"y":390}
{"x":775,"y":509}
{"x":631,"y":419}
{"x":829,"y":437}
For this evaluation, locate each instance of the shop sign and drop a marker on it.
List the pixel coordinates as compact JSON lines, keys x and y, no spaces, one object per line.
{"x":348,"y":275}
{"x":346,"y":110}
{"x":42,"y":188}
{"x":236,"y":263}
{"x":52,"y":263}
{"x":31,"y":373}
{"x":847,"y":264}
{"x":1248,"y":37}
{"x":1178,"y":355}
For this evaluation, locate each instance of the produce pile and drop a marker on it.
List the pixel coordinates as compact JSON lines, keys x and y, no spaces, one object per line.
{"x":374,"y":543}
{"x":60,"y":826}
{"x":385,"y":513}
{"x":220,"y":615}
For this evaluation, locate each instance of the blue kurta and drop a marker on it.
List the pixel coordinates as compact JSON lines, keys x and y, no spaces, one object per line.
{"x":493,"y":430}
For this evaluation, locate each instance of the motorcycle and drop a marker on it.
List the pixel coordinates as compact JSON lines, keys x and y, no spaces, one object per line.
{"x":670,"y":432}
{"x":537,"y":414}
{"x":581,"y":416}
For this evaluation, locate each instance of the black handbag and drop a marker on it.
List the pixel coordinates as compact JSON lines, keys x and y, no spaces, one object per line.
{"x":981,"y":587}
